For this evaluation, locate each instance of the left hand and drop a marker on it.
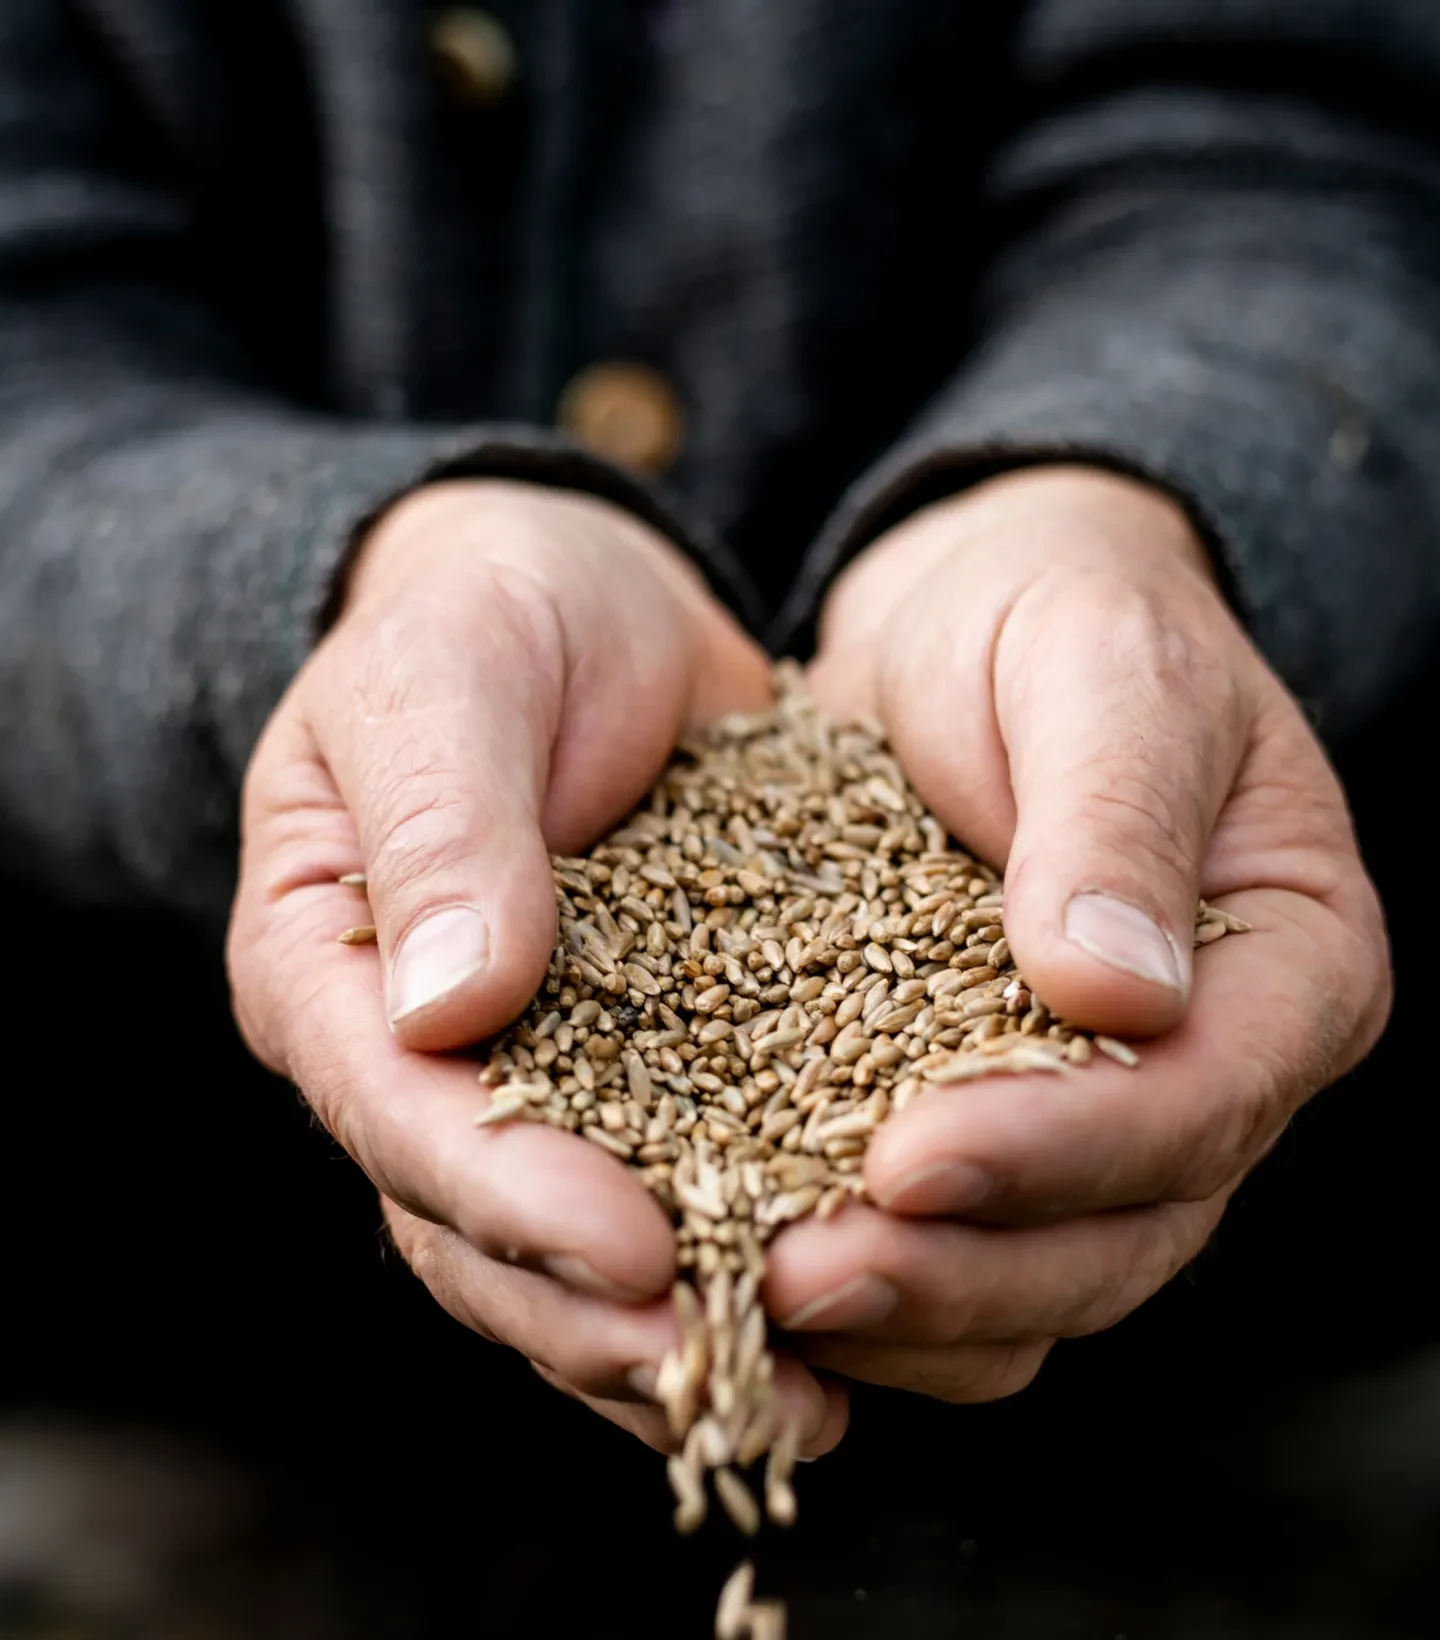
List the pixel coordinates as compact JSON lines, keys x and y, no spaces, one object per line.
{"x":1067,"y":689}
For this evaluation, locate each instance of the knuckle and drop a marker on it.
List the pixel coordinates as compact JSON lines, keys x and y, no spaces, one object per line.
{"x":1165,"y":659}
{"x":427,"y":827}
{"x":1255,"y":1109}
{"x":953,"y":1317}
{"x":1254,"y":1120}
{"x":993,"y":1373}
{"x":1216,"y":1159}
{"x":431,"y":1253}
{"x":415,"y":656}
{"x":413,"y":1238}
{"x":1130,"y":811}
{"x":1162,"y":1241}
{"x":1151,"y":782}
{"x":1113,"y":1288}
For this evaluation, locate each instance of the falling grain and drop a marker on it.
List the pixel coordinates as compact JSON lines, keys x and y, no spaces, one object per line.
{"x":732,"y":1614}
{"x":773,"y":954}
{"x":767,"y":1621}
{"x":739,"y":1502}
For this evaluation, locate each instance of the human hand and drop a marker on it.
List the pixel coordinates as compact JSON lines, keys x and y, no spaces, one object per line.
{"x":1065,"y":687}
{"x":509,"y":672}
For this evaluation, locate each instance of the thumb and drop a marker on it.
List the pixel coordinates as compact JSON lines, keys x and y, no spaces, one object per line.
{"x":1122,"y":747}
{"x":443,"y":766}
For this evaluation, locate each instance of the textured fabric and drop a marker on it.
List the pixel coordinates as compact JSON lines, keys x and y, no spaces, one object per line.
{"x":1230,"y":289}
{"x":258,"y":277}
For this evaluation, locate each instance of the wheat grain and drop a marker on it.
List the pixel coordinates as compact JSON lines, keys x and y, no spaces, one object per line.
{"x":1121,"y":1052}
{"x":732,"y":1613}
{"x":777,"y":951}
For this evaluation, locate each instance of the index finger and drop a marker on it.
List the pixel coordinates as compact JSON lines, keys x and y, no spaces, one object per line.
{"x":1276,"y":1014}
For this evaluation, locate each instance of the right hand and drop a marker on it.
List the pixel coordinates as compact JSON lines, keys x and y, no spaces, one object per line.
{"x":508,"y":674}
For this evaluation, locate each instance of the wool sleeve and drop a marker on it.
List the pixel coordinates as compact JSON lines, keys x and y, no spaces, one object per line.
{"x":171,"y":526}
{"x":1217,"y":268}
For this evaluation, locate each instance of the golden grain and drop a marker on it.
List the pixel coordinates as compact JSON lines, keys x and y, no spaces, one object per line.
{"x":777,"y":951}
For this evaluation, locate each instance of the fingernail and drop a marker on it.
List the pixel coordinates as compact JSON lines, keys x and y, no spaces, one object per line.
{"x":1127,"y":938}
{"x":436,"y":956}
{"x":863,"y":1301}
{"x":643,"y":1380}
{"x":576,"y":1272}
{"x":938,"y":1187}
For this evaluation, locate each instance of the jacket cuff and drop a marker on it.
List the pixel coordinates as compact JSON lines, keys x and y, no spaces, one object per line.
{"x":537,"y":456}
{"x":1287,"y":476}
{"x":330,"y":485}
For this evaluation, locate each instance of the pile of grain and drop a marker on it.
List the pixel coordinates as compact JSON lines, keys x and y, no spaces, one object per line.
{"x":780,"y":949}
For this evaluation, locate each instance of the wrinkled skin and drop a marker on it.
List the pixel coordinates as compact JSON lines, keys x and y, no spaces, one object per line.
{"x":1065,"y":687}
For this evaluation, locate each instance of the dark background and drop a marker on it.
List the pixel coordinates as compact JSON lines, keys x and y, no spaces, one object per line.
{"x":273,"y":1431}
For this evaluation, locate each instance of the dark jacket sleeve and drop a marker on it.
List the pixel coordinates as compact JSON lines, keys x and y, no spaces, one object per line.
{"x":170,"y":528}
{"x":1220,"y":272}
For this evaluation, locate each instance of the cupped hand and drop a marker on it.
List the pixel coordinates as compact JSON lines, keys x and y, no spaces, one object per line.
{"x":509,"y":671}
{"x":1067,"y":689}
